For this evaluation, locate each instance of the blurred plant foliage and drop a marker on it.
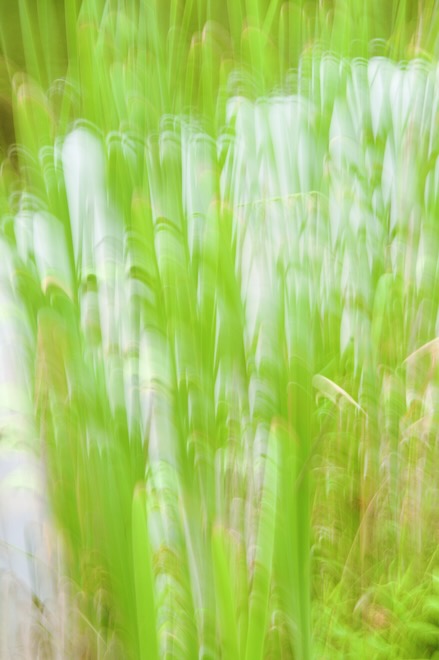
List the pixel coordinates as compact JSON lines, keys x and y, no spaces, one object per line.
{"x":220,"y":220}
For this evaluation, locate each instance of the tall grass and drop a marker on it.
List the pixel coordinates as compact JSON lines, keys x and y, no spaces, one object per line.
{"x":220,"y":238}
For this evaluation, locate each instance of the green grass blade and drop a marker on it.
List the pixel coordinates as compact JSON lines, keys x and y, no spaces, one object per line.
{"x":144,"y":580}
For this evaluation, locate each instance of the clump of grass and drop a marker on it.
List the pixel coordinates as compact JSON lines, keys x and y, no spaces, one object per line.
{"x":220,"y":232}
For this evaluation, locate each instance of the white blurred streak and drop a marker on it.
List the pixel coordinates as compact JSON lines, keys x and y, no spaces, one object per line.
{"x":83,"y":165}
{"x":50,"y":249}
{"x":380,"y":71}
{"x":24,"y":233}
{"x":27,"y":546}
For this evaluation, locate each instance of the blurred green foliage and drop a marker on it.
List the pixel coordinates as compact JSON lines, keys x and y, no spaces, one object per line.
{"x":220,"y":220}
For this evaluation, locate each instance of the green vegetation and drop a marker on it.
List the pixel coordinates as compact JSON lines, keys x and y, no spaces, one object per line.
{"x":220,"y":223}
